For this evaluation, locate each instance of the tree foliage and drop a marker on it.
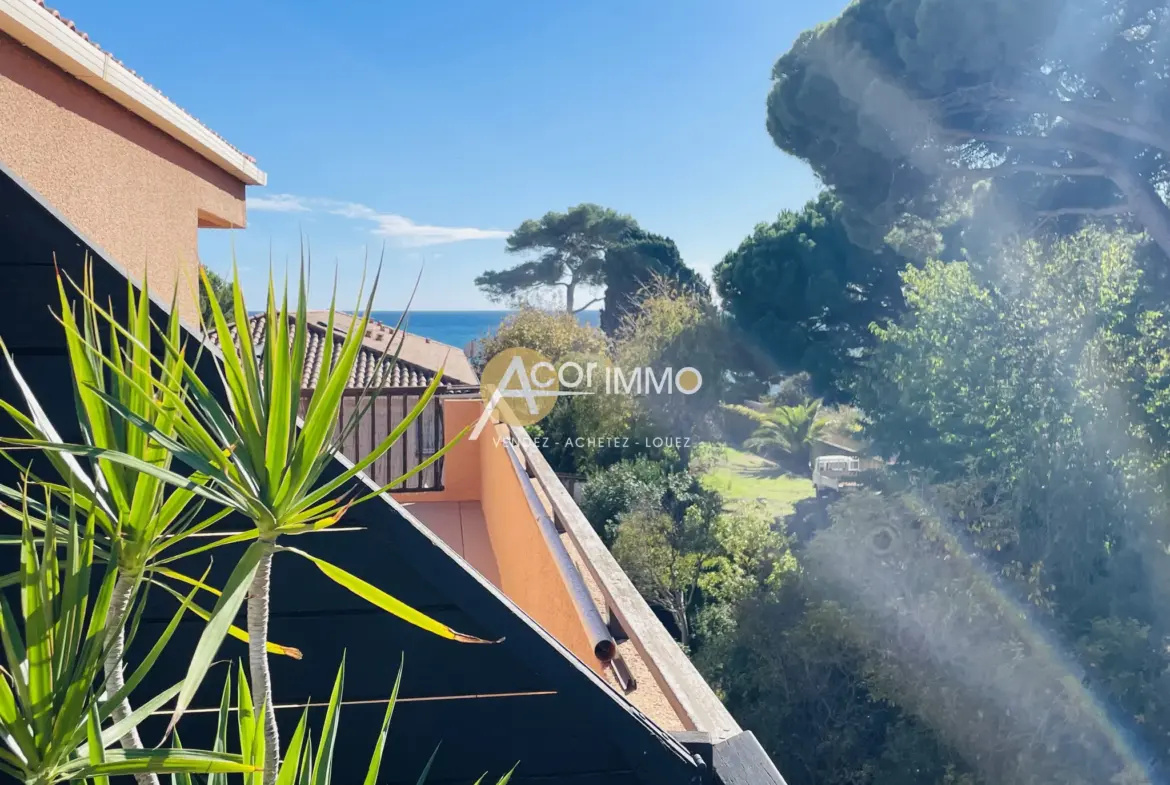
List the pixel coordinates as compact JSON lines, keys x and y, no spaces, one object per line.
{"x":223,"y":295}
{"x":786,"y":669}
{"x":666,"y":559}
{"x":987,"y":375}
{"x":943,"y":641}
{"x":568,"y":251}
{"x":995,"y":613}
{"x":677,"y":560}
{"x":901,"y":106}
{"x":624,"y":486}
{"x":1035,"y":405}
{"x":786,"y":432}
{"x":635,"y":266}
{"x":807,"y":295}
{"x":554,"y":334}
{"x":670,"y":330}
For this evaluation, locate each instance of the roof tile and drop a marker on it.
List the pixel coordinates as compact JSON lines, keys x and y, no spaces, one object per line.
{"x":403,"y":374}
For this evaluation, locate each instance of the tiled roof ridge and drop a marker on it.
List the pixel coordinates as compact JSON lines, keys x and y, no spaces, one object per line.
{"x":392,"y":328}
{"x":72,"y":26}
{"x":409,"y":373}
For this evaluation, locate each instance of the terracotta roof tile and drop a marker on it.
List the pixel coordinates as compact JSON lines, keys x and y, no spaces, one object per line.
{"x":69,"y":23}
{"x":403,"y":374}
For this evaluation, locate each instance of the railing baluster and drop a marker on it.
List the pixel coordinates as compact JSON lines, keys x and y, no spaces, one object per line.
{"x":422,"y":439}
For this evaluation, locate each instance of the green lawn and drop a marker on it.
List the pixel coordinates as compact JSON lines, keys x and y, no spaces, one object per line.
{"x":744,"y":477}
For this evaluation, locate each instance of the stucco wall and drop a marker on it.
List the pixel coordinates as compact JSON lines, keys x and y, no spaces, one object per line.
{"x":461,"y":471}
{"x":131,"y":189}
{"x":481,"y":471}
{"x":528,"y":570}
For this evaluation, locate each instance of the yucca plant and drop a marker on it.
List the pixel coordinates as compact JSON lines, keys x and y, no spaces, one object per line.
{"x":138,"y":516}
{"x":273,"y":468}
{"x":250,"y":456}
{"x":301,"y":763}
{"x":52,"y":702}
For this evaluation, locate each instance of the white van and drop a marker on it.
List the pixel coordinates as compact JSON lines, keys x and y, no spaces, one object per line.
{"x":834,"y":473}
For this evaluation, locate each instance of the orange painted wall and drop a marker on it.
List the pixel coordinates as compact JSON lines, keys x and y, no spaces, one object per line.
{"x":481,"y":471}
{"x":528,"y":571}
{"x":129,"y":187}
{"x":461,"y":470}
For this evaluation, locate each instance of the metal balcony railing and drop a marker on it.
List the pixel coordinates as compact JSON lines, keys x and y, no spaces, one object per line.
{"x":381,"y":415}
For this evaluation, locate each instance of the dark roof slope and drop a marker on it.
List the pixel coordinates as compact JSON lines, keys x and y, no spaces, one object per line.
{"x":526,"y":699}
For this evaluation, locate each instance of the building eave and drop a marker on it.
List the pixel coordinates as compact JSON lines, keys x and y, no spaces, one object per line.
{"x":40,"y":30}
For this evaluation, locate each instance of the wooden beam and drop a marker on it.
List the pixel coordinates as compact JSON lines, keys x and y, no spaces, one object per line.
{"x":741,"y":760}
{"x":684,"y":686}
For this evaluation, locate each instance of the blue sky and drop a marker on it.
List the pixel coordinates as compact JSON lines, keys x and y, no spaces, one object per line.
{"x":436,"y":128}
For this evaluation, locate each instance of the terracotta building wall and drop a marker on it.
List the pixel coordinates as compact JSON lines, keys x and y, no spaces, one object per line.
{"x":528,"y":570}
{"x":130,"y":188}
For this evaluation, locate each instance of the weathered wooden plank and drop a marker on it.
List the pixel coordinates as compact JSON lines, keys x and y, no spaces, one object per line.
{"x":740,"y":760}
{"x":684,"y":686}
{"x":380,"y":423}
{"x":398,"y":459}
{"x":545,"y":734}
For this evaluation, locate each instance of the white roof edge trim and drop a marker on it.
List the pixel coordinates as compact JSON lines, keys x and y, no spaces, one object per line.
{"x":35,"y":27}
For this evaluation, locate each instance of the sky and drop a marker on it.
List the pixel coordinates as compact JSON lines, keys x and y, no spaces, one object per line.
{"x":422,"y":133}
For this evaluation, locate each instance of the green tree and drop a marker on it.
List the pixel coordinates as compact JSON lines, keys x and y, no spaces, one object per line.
{"x":554,"y":334}
{"x":223,"y":295}
{"x":941,"y":640}
{"x":620,"y":488}
{"x":785,"y":431}
{"x":631,"y":269}
{"x":1036,"y":404}
{"x":670,"y":330}
{"x":569,"y":251}
{"x":697,"y":560}
{"x":806,"y":295}
{"x":785,"y":668}
{"x":984,"y":375}
{"x":901,"y":106}
{"x":666,"y":559}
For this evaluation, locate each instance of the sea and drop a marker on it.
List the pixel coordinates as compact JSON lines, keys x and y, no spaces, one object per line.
{"x":459,"y":328}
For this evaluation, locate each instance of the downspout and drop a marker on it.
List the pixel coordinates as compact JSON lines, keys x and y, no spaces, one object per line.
{"x":604,"y":647}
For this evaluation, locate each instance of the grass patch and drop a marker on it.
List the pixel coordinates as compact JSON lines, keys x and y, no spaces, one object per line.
{"x":743,"y":477}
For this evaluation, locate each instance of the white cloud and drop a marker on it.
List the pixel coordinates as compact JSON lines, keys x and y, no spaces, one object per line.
{"x":398,"y":229}
{"x":278,"y":203}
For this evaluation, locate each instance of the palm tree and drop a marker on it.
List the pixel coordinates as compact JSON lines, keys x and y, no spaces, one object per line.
{"x":786,"y":432}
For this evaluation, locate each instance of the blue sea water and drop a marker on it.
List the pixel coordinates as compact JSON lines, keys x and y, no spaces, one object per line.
{"x":459,"y":328}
